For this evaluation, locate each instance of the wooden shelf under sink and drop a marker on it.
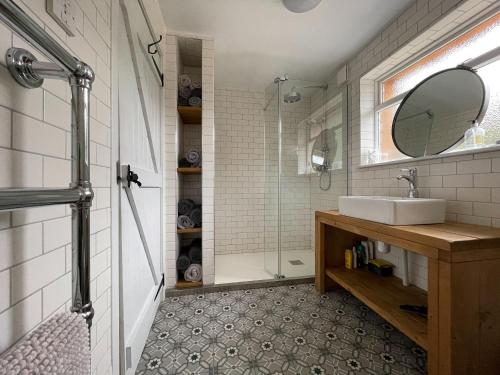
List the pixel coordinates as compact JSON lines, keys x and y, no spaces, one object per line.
{"x":384,"y":295}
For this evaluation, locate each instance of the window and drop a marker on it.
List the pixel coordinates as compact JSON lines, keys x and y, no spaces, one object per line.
{"x":475,"y":42}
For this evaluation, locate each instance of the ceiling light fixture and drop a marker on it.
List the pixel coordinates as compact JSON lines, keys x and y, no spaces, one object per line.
{"x":300,"y":6}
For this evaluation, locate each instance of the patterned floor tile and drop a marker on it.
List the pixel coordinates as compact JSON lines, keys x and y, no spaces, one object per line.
{"x":278,"y":330}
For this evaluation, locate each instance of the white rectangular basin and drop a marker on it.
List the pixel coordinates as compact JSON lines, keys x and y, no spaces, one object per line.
{"x":394,"y":210}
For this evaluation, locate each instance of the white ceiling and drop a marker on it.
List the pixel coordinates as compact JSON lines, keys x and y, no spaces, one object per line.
{"x":256,"y":40}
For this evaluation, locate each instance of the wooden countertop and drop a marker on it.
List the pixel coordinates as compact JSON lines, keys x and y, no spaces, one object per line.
{"x":448,"y":241}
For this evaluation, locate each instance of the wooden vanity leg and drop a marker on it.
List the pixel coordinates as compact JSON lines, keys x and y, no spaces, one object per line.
{"x":320,"y":281}
{"x":469,"y":312}
{"x":433,"y":316}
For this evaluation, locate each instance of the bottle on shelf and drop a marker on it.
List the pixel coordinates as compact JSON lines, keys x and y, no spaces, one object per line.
{"x":474,"y":136}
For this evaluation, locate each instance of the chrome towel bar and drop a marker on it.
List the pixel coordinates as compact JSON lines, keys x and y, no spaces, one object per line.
{"x":30,"y":73}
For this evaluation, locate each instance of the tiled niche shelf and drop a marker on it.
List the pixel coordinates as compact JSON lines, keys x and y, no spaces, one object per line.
{"x":190,"y":115}
{"x":189,"y":230}
{"x":190,"y":138}
{"x":189,"y":170}
{"x":182,"y":284}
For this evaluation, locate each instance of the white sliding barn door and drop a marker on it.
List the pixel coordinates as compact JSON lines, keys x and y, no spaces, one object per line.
{"x":139,"y":116}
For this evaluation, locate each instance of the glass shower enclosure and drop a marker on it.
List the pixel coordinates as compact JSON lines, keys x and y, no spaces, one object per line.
{"x":305,"y":169}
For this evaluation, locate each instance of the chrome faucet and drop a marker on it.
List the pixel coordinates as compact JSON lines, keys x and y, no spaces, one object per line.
{"x":411,"y":177}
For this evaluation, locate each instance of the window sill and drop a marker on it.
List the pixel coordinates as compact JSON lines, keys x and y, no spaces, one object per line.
{"x":432,"y":157}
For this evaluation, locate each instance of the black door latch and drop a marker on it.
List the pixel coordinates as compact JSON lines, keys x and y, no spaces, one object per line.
{"x":132,"y":177}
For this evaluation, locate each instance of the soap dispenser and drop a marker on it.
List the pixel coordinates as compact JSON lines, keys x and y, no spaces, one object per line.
{"x":474,"y":136}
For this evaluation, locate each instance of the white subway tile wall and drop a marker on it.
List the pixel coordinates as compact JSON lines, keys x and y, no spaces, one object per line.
{"x":239,"y":171}
{"x":467,"y":182}
{"x":35,"y":250}
{"x":246,"y":201}
{"x":170,"y":154}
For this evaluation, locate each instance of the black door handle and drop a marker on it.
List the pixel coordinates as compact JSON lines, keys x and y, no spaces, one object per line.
{"x":132,"y":177}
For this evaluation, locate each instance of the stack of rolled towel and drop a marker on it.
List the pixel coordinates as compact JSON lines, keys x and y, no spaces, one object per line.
{"x":60,"y":346}
{"x":189,"y":214}
{"x":189,"y":91}
{"x":192,"y":159}
{"x":189,"y":261}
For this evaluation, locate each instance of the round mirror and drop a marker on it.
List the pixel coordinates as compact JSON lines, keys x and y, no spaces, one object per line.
{"x":435,"y":114}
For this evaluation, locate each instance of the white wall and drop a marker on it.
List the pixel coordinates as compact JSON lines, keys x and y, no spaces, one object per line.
{"x":470,"y":183}
{"x":208,"y":160}
{"x":35,"y":151}
{"x":239,"y":171}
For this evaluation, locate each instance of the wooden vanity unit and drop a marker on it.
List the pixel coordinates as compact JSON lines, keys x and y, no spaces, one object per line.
{"x":462,"y":330}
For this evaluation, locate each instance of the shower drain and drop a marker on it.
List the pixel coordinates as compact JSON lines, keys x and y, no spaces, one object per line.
{"x":296,"y":262}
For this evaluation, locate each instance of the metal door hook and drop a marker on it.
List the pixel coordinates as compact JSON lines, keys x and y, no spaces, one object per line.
{"x":154,"y":44}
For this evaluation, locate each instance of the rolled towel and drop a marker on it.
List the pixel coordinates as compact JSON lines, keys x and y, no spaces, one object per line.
{"x":185,"y":206}
{"x":185,"y":80}
{"x":182,"y":101}
{"x":183,"y":163}
{"x":193,"y":157}
{"x":183,"y":262}
{"x":58,"y":346}
{"x":195,"y":253}
{"x":184,"y":222}
{"x":195,"y":216}
{"x":194,"y":101}
{"x":196,"y":93}
{"x":193,"y":273}
{"x":195,"y":84}
{"x":185,"y":92}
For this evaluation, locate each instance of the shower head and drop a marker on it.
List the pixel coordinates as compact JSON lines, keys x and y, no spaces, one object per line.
{"x":293,"y":96}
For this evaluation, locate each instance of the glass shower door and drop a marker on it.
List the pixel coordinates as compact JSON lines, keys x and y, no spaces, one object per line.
{"x":303,"y":120}
{"x":296,"y":258}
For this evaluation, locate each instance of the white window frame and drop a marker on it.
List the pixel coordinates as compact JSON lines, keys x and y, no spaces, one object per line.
{"x":474,"y":63}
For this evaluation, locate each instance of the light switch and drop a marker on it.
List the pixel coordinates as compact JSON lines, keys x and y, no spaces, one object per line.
{"x":62,"y":11}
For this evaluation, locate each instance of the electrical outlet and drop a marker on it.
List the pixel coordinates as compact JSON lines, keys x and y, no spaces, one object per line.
{"x":63,"y":12}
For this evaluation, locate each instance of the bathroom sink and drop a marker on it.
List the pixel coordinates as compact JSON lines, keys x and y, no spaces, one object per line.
{"x":394,"y":210}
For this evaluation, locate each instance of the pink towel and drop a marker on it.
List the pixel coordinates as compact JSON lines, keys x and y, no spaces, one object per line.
{"x":58,"y":346}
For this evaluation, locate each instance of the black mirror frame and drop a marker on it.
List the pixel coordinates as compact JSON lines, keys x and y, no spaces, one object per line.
{"x":480,"y":115}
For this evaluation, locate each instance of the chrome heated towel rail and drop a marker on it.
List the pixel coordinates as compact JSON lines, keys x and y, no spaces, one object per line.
{"x":30,"y":73}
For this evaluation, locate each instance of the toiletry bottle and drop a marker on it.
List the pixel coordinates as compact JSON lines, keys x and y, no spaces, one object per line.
{"x":348,"y":259}
{"x":474,"y":136}
{"x":360,"y":251}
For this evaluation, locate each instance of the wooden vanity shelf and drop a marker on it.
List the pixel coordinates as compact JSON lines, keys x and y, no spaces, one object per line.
{"x":462,"y":331}
{"x":384,"y":295}
{"x":190,"y":115}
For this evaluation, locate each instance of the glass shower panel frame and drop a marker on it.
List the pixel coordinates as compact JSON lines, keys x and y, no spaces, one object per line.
{"x":271,"y":185}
